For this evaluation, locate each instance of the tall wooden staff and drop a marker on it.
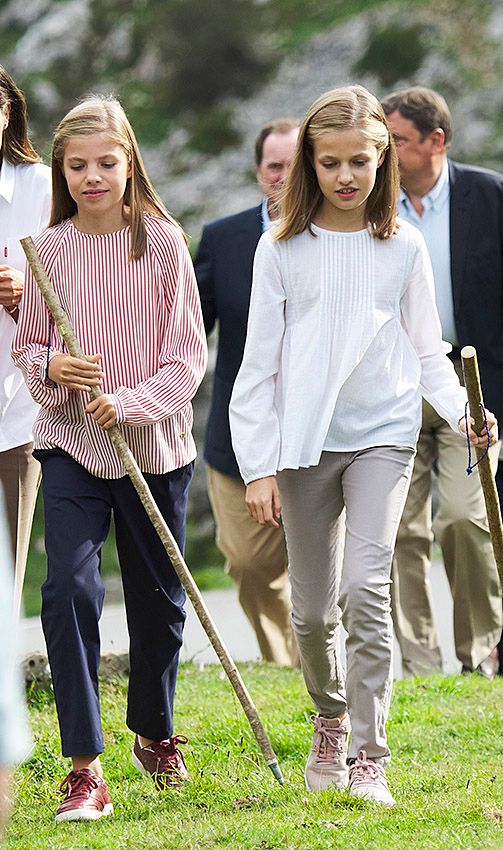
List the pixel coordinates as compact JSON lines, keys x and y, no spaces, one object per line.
{"x":168,"y":541}
{"x":474,"y":392}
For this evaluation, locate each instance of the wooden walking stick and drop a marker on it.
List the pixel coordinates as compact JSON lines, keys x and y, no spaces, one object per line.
{"x":169,"y":543}
{"x":474,"y":392}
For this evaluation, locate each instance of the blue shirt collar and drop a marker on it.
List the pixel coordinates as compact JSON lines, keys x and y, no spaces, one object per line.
{"x":266,"y":221}
{"x":437,"y":196}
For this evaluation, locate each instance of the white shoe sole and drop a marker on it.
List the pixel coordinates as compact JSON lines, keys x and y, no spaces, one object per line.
{"x":137,"y":763}
{"x":372,"y":795}
{"x":83,"y":814}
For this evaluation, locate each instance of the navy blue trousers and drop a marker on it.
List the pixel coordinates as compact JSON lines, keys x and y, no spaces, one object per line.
{"x":78,"y":510}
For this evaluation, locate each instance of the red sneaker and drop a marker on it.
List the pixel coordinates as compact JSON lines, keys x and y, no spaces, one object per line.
{"x":161,"y":760}
{"x":86,"y":797}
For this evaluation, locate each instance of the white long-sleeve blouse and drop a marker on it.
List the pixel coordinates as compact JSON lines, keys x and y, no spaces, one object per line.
{"x":343,"y":339}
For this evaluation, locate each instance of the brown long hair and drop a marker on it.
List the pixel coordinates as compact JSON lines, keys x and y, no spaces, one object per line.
{"x":100,"y":114}
{"x":16,"y":146}
{"x":340,"y":109}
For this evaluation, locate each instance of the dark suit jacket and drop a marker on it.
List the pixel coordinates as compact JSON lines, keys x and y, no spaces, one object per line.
{"x":477,"y":272}
{"x":224,"y":266}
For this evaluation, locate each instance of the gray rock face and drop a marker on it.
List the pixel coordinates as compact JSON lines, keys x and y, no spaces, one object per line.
{"x":462,"y":57}
{"x":35,"y":671}
{"x":60,"y":33}
{"x":200,"y":189}
{"x":37,"y":674}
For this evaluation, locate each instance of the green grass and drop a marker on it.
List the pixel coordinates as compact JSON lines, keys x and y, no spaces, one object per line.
{"x":446,"y":774}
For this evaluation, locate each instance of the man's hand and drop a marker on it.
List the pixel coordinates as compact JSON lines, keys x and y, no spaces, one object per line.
{"x":74,"y":373}
{"x":102,"y":409}
{"x":263,"y":501}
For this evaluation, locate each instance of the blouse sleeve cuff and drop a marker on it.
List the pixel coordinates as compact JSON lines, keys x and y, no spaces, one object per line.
{"x":248,"y":477}
{"x":43,"y":370}
{"x":119,"y":409}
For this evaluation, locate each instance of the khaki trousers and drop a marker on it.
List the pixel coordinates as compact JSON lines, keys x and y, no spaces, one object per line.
{"x":19,"y":478}
{"x":461,"y":530}
{"x":257,"y":563}
{"x":342,"y":559}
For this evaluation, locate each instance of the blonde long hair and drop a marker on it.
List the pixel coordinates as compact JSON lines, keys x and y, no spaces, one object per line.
{"x":99,"y":114}
{"x":340,"y":109}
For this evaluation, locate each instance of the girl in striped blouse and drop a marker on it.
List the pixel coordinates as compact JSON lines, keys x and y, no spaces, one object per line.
{"x":121,"y":268}
{"x":343,"y":337}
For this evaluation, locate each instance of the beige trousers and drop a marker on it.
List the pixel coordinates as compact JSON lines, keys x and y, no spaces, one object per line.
{"x":257,"y":563}
{"x":461,"y":530}
{"x":342,"y":560}
{"x":19,"y":479}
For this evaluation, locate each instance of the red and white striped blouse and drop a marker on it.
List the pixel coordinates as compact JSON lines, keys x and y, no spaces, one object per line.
{"x":144,"y":318}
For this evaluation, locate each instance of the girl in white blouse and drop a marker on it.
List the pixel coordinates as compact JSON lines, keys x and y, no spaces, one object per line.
{"x":343,"y":339}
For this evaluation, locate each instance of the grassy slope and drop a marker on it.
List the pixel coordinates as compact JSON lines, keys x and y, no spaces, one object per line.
{"x":445,"y":734}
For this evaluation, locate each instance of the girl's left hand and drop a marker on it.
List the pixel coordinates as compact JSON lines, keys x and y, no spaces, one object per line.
{"x":263,"y":501}
{"x":102,"y":410}
{"x":480,"y":442}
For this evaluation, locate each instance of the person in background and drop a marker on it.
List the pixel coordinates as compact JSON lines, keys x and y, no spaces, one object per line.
{"x":15,"y":739}
{"x":256,"y":557}
{"x":25,"y":205}
{"x":459,"y":210}
{"x":499,"y":485}
{"x":120,"y":265}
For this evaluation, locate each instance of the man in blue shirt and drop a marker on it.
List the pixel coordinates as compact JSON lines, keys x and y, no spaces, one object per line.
{"x":255,"y":556}
{"x":459,"y":210}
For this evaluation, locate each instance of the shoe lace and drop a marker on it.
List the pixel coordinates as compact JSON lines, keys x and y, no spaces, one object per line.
{"x":77,"y":782}
{"x":169,"y":757}
{"x":363,"y":770}
{"x":329,"y":741}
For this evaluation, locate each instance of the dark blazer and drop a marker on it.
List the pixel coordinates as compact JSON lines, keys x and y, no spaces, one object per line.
{"x":476,"y":216}
{"x":224,"y":266}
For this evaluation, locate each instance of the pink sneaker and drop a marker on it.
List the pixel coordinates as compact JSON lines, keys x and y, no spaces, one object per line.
{"x":162,"y":761}
{"x":326,"y":764}
{"x":367,"y":779}
{"x":86,"y":797}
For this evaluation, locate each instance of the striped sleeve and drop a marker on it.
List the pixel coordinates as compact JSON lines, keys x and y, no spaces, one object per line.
{"x":30,"y":346}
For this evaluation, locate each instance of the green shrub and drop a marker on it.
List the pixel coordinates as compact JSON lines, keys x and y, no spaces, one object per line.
{"x":213,"y":131}
{"x":394,"y":53}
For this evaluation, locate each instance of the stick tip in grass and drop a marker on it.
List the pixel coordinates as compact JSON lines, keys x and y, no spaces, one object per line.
{"x":276,"y":770}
